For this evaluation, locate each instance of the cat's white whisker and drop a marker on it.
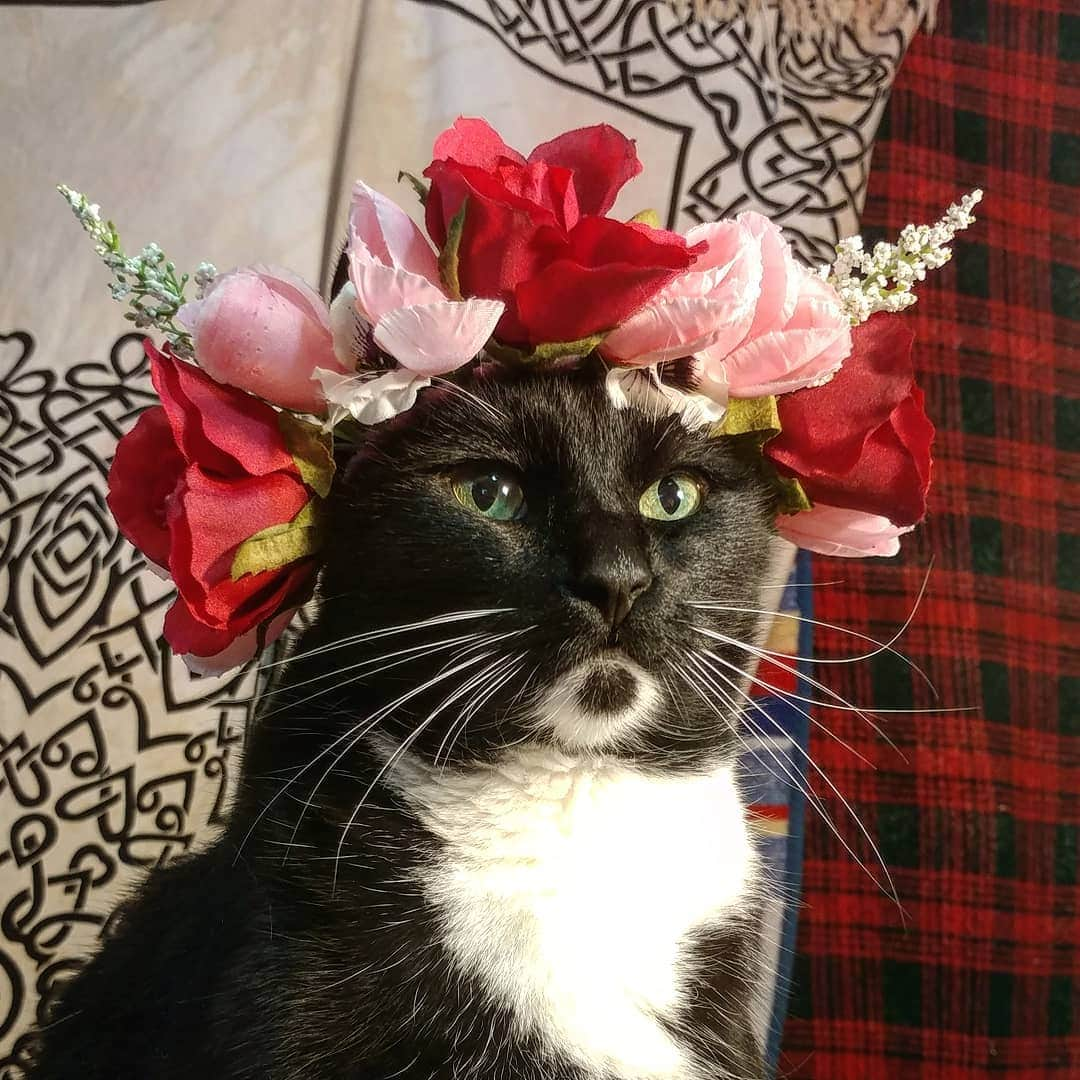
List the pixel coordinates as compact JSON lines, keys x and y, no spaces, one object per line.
{"x":790,"y":698}
{"x":420,"y":652}
{"x":345,"y":736}
{"x":448,"y":384}
{"x":881,"y":646}
{"x":406,"y":744}
{"x":729,"y":719}
{"x":371,"y":635}
{"x":380,"y":714}
{"x":483,"y":695}
{"x":839,"y":703}
{"x":788,"y":774}
{"x":888,"y":888}
{"x":429,"y":649}
{"x":780,"y":660}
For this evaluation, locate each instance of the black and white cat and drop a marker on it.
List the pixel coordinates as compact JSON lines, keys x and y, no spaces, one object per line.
{"x":488,"y":826}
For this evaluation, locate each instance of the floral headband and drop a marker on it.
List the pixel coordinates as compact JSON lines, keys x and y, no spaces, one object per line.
{"x":220,"y":486}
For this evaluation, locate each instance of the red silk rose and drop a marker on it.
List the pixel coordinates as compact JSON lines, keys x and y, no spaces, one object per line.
{"x":862,"y":441}
{"x":196,"y":478}
{"x":534,"y":235}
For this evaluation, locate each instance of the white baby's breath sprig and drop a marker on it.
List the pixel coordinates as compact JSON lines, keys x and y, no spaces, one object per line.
{"x":884,"y":279}
{"x":148,"y":282}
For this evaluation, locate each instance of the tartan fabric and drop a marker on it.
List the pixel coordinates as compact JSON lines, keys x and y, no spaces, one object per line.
{"x":977,"y":812}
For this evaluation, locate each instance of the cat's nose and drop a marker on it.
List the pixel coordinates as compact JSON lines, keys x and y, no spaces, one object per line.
{"x":613,"y":594}
{"x":611,"y":576}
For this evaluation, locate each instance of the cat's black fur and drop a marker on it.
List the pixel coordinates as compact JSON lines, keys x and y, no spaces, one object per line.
{"x":248,"y":961}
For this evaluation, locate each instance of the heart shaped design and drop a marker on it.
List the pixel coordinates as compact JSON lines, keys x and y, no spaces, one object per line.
{"x":61,"y":578}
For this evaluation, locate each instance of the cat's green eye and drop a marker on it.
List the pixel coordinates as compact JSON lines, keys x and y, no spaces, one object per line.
{"x":671,"y":498}
{"x":495,"y":493}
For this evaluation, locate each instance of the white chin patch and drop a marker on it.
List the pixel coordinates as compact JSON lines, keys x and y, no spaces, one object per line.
{"x":598,"y":703}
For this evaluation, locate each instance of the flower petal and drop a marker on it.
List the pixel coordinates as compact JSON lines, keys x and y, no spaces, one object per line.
{"x":381,"y":288}
{"x":642,"y":389}
{"x":225,"y":430}
{"x":499,"y":245}
{"x":780,"y":275}
{"x":372,"y":400}
{"x":145,"y":471}
{"x":601,"y":158}
{"x":832,"y":530}
{"x":233,"y":654}
{"x":209,"y":519}
{"x":473,"y":141}
{"x":791,"y":358}
{"x":874,"y":379}
{"x":723,"y":244}
{"x":610,"y":270}
{"x":862,"y":441}
{"x":349,"y":328}
{"x":262,"y":329}
{"x":389,"y":234}
{"x":432,"y":339}
{"x":682,"y":326}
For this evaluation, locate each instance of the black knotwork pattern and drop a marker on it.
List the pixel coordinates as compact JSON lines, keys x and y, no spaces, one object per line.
{"x":765,"y":121}
{"x":112,"y":757}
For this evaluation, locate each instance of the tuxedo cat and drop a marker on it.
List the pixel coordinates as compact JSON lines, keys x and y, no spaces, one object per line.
{"x":487,"y":826}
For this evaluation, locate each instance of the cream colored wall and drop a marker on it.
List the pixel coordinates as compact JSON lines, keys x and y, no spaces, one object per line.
{"x":209,"y":126}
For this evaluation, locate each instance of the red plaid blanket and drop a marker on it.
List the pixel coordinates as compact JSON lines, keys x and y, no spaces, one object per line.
{"x":976,"y":812}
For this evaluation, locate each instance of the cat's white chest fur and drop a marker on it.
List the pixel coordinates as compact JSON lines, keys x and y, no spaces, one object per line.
{"x":568,"y":888}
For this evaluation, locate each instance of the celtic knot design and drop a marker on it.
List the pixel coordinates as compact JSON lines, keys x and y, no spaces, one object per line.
{"x":113,"y":758}
{"x":768,"y":121}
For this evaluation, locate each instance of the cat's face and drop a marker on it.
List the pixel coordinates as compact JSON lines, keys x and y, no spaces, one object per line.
{"x":568,"y":541}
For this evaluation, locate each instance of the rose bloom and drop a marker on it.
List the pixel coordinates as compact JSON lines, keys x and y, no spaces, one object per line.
{"x":862,"y":441}
{"x":196,"y":477}
{"x":264,"y":330}
{"x":535,"y":235}
{"x":755,"y":321}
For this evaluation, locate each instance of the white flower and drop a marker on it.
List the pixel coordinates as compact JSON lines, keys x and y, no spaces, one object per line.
{"x":883,"y":279}
{"x":369,"y":397}
{"x":148,"y":282}
{"x":641,"y":388}
{"x":204,"y":276}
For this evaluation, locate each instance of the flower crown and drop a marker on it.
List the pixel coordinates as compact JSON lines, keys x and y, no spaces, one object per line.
{"x":221,"y":485}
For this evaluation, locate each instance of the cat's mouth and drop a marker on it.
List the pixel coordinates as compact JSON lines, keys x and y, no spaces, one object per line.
{"x":608,"y":687}
{"x":599,"y":703}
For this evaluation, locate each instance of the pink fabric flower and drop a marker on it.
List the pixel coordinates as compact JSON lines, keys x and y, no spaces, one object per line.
{"x":831,"y":530}
{"x":708,"y":307}
{"x":805,"y":349}
{"x":264,"y":330}
{"x":396,"y":276}
{"x":753,"y":319}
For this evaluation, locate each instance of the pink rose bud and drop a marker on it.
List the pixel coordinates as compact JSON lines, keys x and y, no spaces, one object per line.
{"x":264,"y":330}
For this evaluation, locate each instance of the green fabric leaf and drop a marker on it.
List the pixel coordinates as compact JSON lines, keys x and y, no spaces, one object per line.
{"x":311,"y":450}
{"x":758,"y":420}
{"x":556,"y":350}
{"x":751,"y":416}
{"x":279,"y":545}
{"x":507,"y":354}
{"x":647,"y":217}
{"x":418,"y":185}
{"x":448,"y":257}
{"x":792,"y":497}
